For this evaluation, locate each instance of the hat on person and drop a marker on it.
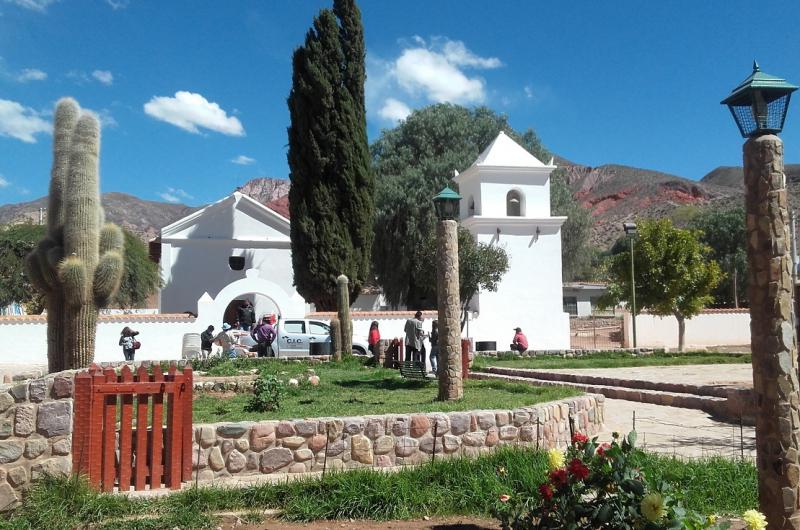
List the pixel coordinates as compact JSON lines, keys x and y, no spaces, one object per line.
{"x":517,"y":329}
{"x":226,"y":326}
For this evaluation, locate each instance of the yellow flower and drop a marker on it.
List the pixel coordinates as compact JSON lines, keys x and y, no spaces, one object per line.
{"x":712,"y":519}
{"x":555,"y":459}
{"x":754,"y":520}
{"x":652,"y":507}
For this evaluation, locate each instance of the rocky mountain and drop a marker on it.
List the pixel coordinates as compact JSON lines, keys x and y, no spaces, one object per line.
{"x":266,"y":190}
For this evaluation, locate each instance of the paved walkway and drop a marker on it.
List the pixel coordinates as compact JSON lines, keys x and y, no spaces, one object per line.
{"x":694,"y":374}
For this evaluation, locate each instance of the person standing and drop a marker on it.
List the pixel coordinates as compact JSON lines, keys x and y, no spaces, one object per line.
{"x":434,"y":357}
{"x":414,"y":335}
{"x":520,"y":341}
{"x":206,"y":342}
{"x":226,"y":339}
{"x":264,"y":335}
{"x":128,"y":343}
{"x":374,"y":337}
{"x":246,"y":315}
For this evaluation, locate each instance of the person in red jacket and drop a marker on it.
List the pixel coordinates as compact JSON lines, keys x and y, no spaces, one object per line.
{"x":520,"y":342}
{"x":374,"y":336}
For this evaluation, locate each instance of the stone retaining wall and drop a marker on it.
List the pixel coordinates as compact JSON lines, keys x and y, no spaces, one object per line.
{"x":298,"y":446}
{"x":35,"y":432}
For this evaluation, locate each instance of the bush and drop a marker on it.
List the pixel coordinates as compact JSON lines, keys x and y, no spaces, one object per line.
{"x":267,"y":393}
{"x":593,"y":487}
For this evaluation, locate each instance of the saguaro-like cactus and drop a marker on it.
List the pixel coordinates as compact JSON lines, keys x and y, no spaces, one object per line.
{"x":336,"y":339}
{"x":343,"y":303}
{"x":78,"y":265}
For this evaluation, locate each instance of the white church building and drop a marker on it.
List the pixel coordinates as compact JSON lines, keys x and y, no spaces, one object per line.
{"x":506,"y":202}
{"x":238,"y":248}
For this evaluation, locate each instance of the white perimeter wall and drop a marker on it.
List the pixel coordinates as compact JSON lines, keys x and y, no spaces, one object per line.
{"x":710,"y":328}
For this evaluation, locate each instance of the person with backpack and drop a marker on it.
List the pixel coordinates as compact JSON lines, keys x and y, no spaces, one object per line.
{"x":206,"y":342}
{"x":264,"y":335}
{"x":128,"y":343}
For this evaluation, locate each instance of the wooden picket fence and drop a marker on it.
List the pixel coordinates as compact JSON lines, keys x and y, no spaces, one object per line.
{"x":107,"y":446}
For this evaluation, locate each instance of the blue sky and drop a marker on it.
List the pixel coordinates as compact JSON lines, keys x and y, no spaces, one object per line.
{"x":192,"y":94}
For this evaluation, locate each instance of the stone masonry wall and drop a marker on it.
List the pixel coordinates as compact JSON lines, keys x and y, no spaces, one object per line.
{"x":297,"y":446}
{"x":35,"y":432}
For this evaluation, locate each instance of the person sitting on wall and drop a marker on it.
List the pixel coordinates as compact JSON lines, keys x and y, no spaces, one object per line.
{"x":520,"y":342}
{"x":206,"y":342}
{"x":264,"y":334}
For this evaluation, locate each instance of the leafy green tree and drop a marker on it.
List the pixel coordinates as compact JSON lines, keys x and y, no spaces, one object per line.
{"x":724,"y":231}
{"x":576,"y":252}
{"x":331,"y":198}
{"x":140,"y":278}
{"x":480,"y":266}
{"x":675,"y":274}
{"x":16,"y":242}
{"x":412,"y":163}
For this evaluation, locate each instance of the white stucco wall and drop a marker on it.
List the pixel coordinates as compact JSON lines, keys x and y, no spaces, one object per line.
{"x":583,"y":296}
{"x":711,"y":328}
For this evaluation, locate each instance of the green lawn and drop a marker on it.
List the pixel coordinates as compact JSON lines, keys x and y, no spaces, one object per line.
{"x":444,"y":488}
{"x":612,"y":360}
{"x":351,"y":389}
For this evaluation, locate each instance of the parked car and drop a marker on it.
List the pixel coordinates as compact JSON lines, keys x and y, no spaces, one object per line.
{"x":295,"y":336}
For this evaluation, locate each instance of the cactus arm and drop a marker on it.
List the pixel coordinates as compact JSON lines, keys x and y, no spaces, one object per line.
{"x":72,"y":273}
{"x":107,"y":277}
{"x":111,"y":239}
{"x":67,"y":112}
{"x":34,"y":269}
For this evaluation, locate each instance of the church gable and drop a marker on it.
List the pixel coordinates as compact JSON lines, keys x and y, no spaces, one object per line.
{"x":236,"y":217}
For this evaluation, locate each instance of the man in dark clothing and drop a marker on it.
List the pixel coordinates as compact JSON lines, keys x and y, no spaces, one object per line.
{"x":206,"y":340}
{"x":246,"y":315}
{"x":264,"y":334}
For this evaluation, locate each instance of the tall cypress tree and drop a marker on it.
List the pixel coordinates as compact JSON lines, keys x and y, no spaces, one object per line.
{"x":331,"y":198}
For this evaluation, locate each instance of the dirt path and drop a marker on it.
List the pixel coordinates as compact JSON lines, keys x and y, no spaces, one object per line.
{"x":449,"y":523}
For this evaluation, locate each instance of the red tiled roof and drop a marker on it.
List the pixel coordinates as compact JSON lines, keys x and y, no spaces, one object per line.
{"x":130,"y":317}
{"x":373,"y":314}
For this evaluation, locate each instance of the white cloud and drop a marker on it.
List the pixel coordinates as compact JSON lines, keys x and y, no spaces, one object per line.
{"x":437,"y":70}
{"x":31,"y":74}
{"x":22,"y":123}
{"x":33,"y":5}
{"x":174,"y":195}
{"x":118,"y":4}
{"x":528,"y":92}
{"x":4,"y":183}
{"x":394,"y":110}
{"x":243,"y":160}
{"x":189,"y":111}
{"x":104,"y":76}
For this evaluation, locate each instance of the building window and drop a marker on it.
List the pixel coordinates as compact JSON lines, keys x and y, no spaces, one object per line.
{"x":236,"y":263}
{"x":471,"y":203}
{"x":514,"y":204}
{"x":571,"y":305}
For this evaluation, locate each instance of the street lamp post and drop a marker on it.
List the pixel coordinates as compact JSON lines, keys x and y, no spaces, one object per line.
{"x":451,"y":385}
{"x":630,"y":231}
{"x":759,"y":106}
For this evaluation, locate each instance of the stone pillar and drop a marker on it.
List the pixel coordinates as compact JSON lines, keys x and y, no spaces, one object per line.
{"x":774,"y":346}
{"x":343,"y":303}
{"x":450,"y":382}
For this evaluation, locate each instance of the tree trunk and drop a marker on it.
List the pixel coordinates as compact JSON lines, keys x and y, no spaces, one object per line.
{"x":451,"y":386}
{"x":681,"y":330}
{"x":773,"y":342}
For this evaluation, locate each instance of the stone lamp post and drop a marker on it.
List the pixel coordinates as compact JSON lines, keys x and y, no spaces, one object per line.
{"x":759,"y":107}
{"x":451,"y":385}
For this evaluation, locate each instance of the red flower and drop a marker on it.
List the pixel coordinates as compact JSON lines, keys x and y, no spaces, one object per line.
{"x":578,"y":469}
{"x":504,"y":498}
{"x":559,"y":477}
{"x":579,"y":438}
{"x":601,"y":451}
{"x":546,"y":491}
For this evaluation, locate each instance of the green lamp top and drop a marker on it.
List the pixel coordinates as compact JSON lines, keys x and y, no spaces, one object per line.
{"x":447,"y":194}
{"x":758,"y":80}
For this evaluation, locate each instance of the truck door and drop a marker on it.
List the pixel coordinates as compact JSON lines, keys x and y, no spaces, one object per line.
{"x":292,"y":338}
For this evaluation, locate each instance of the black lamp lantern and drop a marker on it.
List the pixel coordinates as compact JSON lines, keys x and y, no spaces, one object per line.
{"x":630,"y":229}
{"x":759,"y":103}
{"x":446,"y":204}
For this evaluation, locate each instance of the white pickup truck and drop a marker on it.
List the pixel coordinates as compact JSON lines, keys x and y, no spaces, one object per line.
{"x":295,"y":336}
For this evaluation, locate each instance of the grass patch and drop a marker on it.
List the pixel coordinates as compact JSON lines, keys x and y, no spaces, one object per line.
{"x":444,"y":488}
{"x":611,"y":360}
{"x":350,"y":388}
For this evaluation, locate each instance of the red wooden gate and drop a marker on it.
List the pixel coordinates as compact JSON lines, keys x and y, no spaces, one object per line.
{"x":108,"y":447}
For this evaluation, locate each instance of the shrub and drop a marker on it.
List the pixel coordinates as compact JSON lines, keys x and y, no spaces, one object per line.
{"x":267,"y":393}
{"x":593,"y":487}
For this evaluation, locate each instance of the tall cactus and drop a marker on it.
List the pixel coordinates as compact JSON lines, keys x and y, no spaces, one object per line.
{"x":78,"y":265}
{"x":343,"y":303}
